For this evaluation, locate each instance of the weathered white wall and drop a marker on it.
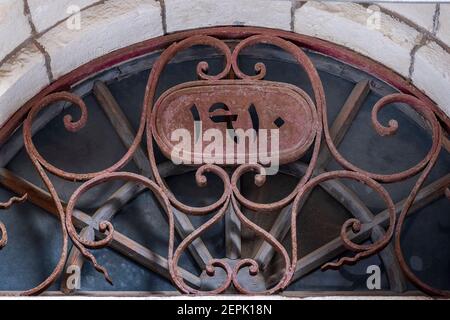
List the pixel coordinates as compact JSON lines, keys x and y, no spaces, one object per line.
{"x":421,"y":14}
{"x":104,"y":28}
{"x":346,"y":24}
{"x":412,"y":39}
{"x":182,"y":14}
{"x":47,"y":13}
{"x":38,"y":43}
{"x":14,"y":26}
{"x":20,"y":79}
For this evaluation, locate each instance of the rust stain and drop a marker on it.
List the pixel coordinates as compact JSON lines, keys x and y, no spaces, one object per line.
{"x":233,"y":105}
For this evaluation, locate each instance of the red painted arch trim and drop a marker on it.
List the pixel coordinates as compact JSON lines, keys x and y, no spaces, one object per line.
{"x":324,"y":47}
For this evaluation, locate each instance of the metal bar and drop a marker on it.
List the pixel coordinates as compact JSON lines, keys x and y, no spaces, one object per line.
{"x":357,"y":295}
{"x":290,"y":295}
{"x":120,"y":243}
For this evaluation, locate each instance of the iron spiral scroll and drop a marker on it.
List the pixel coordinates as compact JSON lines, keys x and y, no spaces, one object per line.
{"x":232,"y":198}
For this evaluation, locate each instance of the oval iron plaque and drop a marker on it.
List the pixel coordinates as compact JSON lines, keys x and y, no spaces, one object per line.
{"x":258,"y":108}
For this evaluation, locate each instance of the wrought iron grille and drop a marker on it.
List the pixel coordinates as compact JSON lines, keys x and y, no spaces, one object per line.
{"x":304,"y":129}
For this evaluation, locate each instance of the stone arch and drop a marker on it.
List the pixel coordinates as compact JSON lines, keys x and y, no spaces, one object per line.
{"x":40,"y":43}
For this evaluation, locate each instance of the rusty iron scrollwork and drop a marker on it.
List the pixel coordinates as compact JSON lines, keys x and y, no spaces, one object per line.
{"x":236,"y":90}
{"x":4,"y":206}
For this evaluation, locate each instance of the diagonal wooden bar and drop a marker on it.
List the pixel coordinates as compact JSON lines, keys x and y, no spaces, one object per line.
{"x":121,"y":124}
{"x":279,"y":230}
{"x":359,"y":210}
{"x":10,"y":149}
{"x":344,"y":119}
{"x":233,"y":240}
{"x":340,"y":126}
{"x":334,"y":248}
{"x":341,"y":193}
{"x":120,"y":243}
{"x":233,"y":228}
{"x":338,"y":131}
{"x":105,"y":213}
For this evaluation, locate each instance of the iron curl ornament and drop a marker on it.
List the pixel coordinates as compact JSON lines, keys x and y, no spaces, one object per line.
{"x":232,"y":90}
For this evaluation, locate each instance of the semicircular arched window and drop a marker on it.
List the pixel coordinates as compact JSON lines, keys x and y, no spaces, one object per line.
{"x":252,"y":162}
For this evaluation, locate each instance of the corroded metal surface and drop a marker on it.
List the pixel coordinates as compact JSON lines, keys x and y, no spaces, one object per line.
{"x":159,"y":118}
{"x":230,"y":104}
